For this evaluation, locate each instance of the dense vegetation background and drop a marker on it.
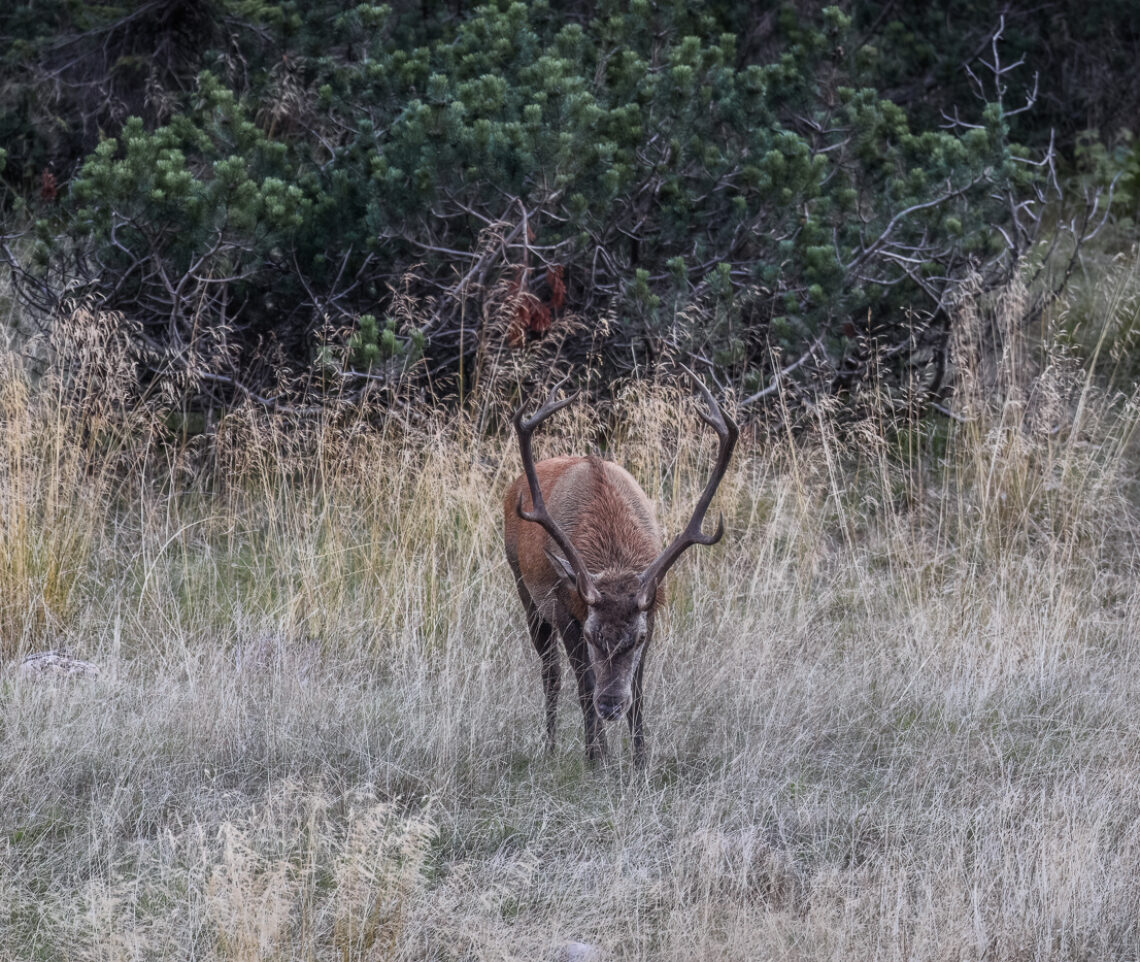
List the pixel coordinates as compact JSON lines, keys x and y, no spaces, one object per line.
{"x":289,"y":199}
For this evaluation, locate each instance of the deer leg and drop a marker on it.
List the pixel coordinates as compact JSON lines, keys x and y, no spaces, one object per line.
{"x":636,"y":719}
{"x":542,"y":636}
{"x":580,"y":662}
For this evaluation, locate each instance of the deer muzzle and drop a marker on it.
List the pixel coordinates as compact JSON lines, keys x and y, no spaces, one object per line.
{"x":611,"y":706}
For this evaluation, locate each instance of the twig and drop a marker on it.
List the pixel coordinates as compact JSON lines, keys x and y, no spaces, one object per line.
{"x":781,"y":374}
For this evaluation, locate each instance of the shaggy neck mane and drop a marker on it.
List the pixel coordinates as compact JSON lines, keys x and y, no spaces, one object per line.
{"x":618,"y":534}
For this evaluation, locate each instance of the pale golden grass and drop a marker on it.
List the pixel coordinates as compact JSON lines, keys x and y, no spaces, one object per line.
{"x":893,"y":714}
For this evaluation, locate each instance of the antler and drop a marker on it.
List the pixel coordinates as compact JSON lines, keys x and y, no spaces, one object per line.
{"x":727,"y":431}
{"x":539,"y":514}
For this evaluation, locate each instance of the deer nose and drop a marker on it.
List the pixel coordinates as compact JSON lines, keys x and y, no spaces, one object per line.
{"x":610,"y":707}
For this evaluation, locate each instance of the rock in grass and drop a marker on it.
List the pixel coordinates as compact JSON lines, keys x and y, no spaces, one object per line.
{"x":579,"y":952}
{"x":56,"y":664}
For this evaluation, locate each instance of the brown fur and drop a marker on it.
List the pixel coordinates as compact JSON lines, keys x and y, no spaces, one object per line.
{"x":603,"y":511}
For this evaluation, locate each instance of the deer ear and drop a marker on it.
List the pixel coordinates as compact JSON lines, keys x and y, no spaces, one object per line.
{"x":646,"y":596}
{"x":582,"y":585}
{"x":562,"y":566}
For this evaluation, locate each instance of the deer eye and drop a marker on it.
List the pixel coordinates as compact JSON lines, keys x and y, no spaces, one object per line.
{"x":603,"y":645}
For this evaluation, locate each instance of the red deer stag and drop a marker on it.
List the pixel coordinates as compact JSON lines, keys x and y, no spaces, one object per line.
{"x":585,"y":549}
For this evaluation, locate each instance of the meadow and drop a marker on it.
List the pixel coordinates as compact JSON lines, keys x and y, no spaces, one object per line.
{"x":892,"y":715}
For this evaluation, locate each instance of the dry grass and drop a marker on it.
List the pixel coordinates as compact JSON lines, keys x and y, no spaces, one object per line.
{"x":893,"y":715}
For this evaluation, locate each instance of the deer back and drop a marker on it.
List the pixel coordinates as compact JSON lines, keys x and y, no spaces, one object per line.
{"x":603,"y":511}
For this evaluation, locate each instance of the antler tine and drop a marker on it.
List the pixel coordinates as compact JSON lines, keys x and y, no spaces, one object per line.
{"x":714,"y":417}
{"x":549,"y":407}
{"x":539,"y":514}
{"x":727,"y":432}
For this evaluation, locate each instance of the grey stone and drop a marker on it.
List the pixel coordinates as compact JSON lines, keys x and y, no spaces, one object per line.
{"x":56,"y":664}
{"x":580,"y":952}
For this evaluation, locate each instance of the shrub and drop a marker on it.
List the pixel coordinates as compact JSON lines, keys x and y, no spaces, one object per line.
{"x":742,"y":208}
